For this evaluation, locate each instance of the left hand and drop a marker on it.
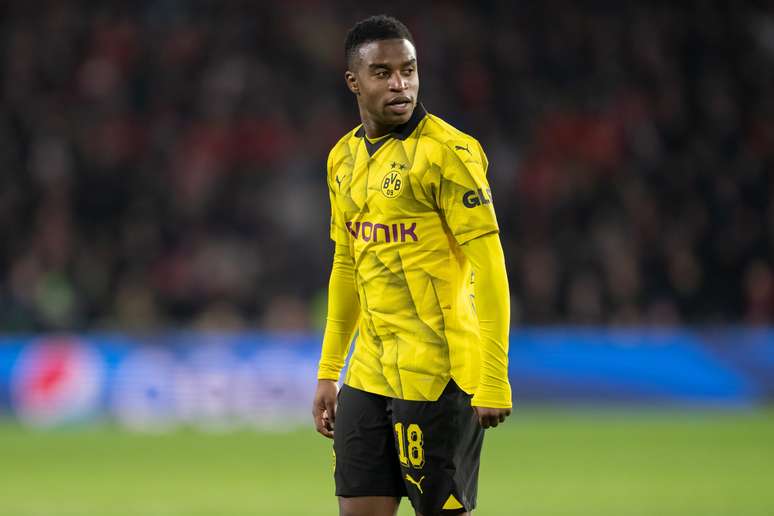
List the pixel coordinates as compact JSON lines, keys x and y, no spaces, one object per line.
{"x":491,"y":417}
{"x":324,"y":407}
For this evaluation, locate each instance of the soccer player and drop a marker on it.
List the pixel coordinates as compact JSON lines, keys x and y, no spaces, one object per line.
{"x":418,"y":270}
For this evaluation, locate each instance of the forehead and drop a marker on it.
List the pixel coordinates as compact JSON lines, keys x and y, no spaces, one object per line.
{"x":386,"y":51}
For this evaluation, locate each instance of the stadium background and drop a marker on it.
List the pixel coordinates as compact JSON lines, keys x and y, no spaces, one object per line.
{"x":164,"y":251}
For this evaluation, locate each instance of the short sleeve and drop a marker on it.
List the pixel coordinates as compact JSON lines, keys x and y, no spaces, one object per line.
{"x":338,"y":231}
{"x":464,"y":195}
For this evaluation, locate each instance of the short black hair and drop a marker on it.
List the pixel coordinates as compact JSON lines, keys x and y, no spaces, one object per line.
{"x":375,"y":28}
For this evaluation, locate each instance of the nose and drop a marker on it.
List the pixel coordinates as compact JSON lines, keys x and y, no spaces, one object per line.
{"x":398,"y":82}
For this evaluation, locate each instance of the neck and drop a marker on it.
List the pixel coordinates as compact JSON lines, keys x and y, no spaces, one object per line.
{"x":374,"y":130}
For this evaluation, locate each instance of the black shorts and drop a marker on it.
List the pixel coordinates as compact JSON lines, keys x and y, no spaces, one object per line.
{"x":427,"y":450}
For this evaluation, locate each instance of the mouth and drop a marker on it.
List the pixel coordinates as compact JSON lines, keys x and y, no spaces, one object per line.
{"x":400,"y":104}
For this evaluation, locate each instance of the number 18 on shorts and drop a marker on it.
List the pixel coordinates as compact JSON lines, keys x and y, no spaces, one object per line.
{"x":426,"y":450}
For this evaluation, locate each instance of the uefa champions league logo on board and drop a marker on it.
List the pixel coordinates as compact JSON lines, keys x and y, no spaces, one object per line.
{"x":56,"y":381}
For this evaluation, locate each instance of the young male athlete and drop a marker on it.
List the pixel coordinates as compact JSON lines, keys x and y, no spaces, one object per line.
{"x":419,"y":271}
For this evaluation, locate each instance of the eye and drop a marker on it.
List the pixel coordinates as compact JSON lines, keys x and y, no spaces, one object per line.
{"x":383,"y":74}
{"x":408,"y":71}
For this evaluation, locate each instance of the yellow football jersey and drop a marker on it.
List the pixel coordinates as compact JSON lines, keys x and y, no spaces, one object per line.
{"x":403,"y":205}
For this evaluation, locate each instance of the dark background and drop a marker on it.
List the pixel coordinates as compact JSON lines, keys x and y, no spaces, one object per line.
{"x":162,"y":163}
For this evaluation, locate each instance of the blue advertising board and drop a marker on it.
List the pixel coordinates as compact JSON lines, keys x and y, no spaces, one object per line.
{"x":222,"y":381}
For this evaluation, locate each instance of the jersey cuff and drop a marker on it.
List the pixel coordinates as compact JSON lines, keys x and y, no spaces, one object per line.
{"x":490,"y":403}
{"x":493,"y":397}
{"x":328,"y":375}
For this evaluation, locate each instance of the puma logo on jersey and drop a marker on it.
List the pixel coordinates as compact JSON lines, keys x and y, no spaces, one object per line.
{"x":465,"y":148}
{"x":340,"y":179}
{"x":417,"y":483}
{"x":369,"y":231}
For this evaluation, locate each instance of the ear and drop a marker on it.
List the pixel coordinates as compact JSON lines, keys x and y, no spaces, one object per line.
{"x":351,"y":81}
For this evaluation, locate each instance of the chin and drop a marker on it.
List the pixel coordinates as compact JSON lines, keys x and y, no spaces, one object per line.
{"x":392,"y":119}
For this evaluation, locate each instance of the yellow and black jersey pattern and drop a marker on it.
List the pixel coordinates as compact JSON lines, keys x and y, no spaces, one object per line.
{"x":404,"y":205}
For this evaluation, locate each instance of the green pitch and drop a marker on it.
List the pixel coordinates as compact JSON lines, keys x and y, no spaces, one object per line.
{"x":542,"y":462}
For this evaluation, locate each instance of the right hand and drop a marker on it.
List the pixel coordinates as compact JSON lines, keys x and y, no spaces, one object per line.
{"x":324,"y":407}
{"x":491,"y":417}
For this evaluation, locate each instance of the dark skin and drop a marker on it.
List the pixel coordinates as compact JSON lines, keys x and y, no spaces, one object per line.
{"x":384,"y":77}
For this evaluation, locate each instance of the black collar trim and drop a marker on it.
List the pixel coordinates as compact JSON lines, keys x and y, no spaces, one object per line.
{"x":375,"y":146}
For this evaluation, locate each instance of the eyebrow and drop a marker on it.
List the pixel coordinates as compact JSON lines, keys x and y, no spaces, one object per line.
{"x":386,"y":65}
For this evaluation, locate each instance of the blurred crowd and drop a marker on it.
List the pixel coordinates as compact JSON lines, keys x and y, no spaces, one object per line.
{"x":162,"y":161}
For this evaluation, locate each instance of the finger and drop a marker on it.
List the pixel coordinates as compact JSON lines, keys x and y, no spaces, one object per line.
{"x":316,"y":409}
{"x":327,"y":420}
{"x":320,"y":422}
{"x":330,"y":408}
{"x":502,"y":418}
{"x":322,"y":428}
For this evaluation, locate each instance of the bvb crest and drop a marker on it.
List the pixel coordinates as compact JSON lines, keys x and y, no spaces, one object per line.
{"x":392,"y":184}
